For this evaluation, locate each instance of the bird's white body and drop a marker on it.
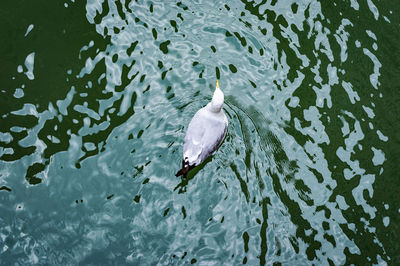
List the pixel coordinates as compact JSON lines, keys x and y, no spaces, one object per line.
{"x":206,"y":131}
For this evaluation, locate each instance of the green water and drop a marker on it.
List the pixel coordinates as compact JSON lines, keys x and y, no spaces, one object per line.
{"x":95,"y":98}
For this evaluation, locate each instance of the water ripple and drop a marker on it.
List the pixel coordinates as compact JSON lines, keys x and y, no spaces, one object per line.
{"x":94,"y":113}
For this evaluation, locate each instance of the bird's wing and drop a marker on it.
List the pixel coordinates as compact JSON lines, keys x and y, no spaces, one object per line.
{"x":194,"y":134}
{"x":213,"y":138}
{"x":203,"y":137}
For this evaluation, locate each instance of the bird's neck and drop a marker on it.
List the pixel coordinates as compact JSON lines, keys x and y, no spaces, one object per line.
{"x":213,"y":108}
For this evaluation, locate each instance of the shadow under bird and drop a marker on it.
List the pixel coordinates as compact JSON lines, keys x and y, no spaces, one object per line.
{"x":205,"y":133}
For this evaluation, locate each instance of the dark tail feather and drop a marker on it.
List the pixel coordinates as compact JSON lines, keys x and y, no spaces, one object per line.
{"x":182,"y":171}
{"x":185,"y":169}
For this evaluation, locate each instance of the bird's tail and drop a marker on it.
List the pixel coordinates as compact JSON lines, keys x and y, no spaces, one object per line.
{"x":185,"y":169}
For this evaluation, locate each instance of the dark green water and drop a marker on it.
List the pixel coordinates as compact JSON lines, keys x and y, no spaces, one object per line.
{"x":95,"y":98}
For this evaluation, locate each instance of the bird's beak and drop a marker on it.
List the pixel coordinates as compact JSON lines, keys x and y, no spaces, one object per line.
{"x":217,"y":86}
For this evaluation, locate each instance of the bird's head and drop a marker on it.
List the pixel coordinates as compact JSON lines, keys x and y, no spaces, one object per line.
{"x":217,"y":99}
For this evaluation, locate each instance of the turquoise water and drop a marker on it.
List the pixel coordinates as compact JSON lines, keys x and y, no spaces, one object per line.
{"x":95,"y":98}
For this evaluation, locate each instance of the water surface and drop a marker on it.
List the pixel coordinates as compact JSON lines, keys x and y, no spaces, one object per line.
{"x":95,"y":98}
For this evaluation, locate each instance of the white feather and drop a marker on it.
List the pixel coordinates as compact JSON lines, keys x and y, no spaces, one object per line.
{"x":206,"y":130}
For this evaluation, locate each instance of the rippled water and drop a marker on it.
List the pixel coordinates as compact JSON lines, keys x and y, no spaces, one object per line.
{"x":95,"y":99}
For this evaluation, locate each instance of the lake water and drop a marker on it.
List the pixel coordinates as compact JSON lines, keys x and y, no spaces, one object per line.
{"x":95,"y":98}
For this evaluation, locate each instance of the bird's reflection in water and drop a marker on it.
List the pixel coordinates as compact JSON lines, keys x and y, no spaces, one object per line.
{"x":181,"y":187}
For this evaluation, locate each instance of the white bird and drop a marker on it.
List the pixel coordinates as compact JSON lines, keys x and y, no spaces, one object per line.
{"x":205,"y":133}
